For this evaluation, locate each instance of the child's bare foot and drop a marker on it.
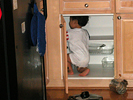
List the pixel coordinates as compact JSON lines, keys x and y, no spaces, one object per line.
{"x":70,"y":73}
{"x":70,"y":70}
{"x":85,"y":72}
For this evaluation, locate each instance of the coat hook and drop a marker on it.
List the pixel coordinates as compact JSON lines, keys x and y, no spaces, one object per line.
{"x":32,"y":3}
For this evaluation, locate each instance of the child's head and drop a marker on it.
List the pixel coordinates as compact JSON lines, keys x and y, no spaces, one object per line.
{"x":78,"y":21}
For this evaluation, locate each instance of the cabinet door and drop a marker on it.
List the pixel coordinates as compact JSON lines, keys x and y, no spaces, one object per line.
{"x":124,"y":6}
{"x":86,"y":6}
{"x":124,"y":51}
{"x":64,"y":53}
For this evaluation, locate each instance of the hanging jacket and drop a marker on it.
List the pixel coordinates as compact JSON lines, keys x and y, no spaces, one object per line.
{"x":38,"y":31}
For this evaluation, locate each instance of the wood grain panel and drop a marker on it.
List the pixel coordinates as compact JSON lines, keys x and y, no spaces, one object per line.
{"x":94,"y":6}
{"x":53,"y":40}
{"x":91,"y":5}
{"x":125,"y":46}
{"x":124,"y":6}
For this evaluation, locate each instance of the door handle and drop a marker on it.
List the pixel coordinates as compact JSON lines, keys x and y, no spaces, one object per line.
{"x":86,"y":5}
{"x":119,"y":17}
{"x":61,"y":25}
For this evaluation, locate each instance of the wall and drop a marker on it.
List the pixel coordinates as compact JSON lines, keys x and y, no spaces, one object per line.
{"x":98,"y":25}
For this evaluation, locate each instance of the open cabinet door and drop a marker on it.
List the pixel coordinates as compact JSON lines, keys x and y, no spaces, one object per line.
{"x":64,"y":53}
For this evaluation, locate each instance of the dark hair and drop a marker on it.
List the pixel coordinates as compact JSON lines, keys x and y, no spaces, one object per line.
{"x":82,"y":20}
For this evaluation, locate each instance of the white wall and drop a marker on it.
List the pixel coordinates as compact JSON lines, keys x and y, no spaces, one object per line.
{"x":98,"y":25}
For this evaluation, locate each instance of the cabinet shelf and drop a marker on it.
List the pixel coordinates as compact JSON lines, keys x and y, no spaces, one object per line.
{"x":102,"y":55}
{"x":101,"y":33}
{"x":96,"y":72}
{"x":109,"y":37}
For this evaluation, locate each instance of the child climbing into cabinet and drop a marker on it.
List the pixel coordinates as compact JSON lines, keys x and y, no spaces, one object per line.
{"x":78,"y":44}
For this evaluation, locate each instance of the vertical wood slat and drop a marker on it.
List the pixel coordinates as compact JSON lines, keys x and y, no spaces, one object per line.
{"x":64,"y":54}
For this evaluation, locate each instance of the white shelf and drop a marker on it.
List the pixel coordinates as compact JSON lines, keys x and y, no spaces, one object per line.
{"x":109,"y":37}
{"x":100,"y":31}
{"x":96,"y":72}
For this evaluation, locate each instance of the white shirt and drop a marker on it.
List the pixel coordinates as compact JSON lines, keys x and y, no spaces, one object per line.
{"x":78,"y":42}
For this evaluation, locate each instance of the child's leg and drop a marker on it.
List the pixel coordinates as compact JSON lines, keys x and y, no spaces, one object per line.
{"x":83,"y":71}
{"x":70,"y":70}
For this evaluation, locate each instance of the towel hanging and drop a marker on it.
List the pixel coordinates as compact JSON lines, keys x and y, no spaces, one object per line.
{"x":38,"y":31}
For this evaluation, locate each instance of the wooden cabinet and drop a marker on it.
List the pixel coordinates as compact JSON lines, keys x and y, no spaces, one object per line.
{"x":124,"y":6}
{"x":86,"y":6}
{"x":123,"y":40}
{"x":125,"y":45}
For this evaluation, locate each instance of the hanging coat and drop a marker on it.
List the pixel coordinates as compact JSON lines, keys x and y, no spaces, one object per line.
{"x":38,"y":31}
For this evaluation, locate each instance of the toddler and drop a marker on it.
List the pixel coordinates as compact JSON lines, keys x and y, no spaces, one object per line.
{"x":78,"y":44}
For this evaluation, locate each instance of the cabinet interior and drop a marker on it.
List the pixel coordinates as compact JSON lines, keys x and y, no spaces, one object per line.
{"x":100,"y":28}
